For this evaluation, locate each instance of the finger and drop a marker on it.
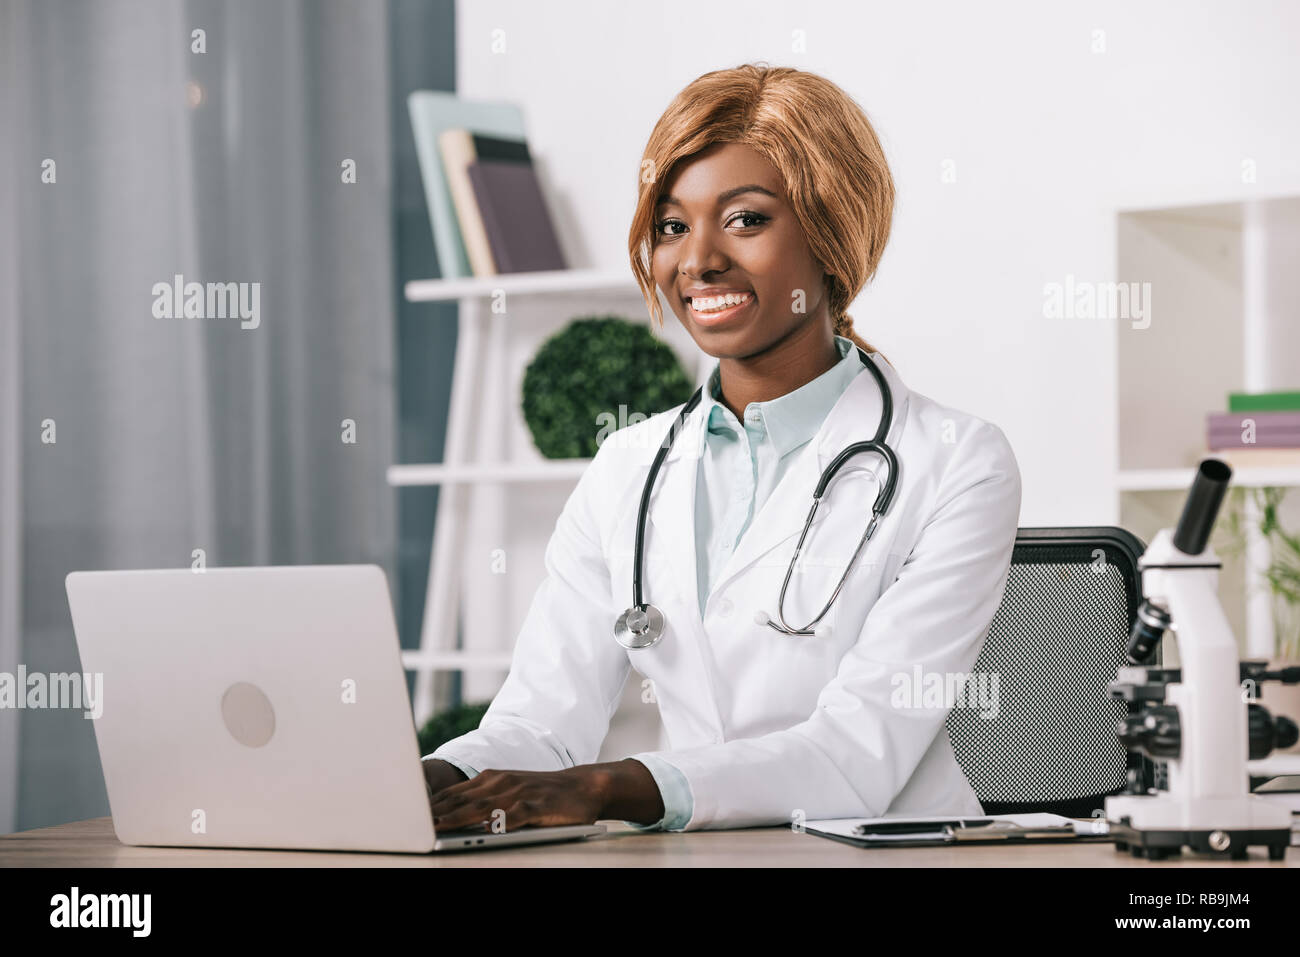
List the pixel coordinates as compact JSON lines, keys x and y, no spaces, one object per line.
{"x":495,"y":796}
{"x":523,"y":813}
{"x":471,"y":814}
{"x":461,"y":787}
{"x":464,"y":791}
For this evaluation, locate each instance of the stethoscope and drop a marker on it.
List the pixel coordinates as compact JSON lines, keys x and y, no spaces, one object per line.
{"x":643,"y":624}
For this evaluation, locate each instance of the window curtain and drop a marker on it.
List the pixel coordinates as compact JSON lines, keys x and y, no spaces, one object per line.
{"x":244,"y":143}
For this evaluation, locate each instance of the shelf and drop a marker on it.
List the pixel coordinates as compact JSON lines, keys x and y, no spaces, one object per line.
{"x":1155,"y":480}
{"x":555,"y":470}
{"x":522,"y":283}
{"x":455,"y":660}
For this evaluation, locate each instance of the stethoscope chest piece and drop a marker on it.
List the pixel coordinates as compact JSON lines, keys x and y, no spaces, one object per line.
{"x":639,"y":627}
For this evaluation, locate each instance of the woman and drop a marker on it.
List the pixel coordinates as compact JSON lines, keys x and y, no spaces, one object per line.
{"x":764,"y":207}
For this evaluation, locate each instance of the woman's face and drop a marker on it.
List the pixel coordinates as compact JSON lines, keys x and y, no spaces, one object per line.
{"x":723,"y":225}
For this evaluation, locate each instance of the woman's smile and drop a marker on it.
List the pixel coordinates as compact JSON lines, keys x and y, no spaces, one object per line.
{"x":715,"y":310}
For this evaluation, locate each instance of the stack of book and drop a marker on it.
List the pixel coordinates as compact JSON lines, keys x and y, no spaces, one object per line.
{"x":485,"y":200}
{"x":1259,"y":429}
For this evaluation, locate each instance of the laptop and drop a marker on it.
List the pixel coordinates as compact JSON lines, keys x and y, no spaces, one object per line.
{"x":260,"y":708}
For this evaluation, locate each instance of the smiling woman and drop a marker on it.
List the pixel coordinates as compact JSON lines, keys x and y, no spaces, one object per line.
{"x":763,"y":210}
{"x":770,"y":186}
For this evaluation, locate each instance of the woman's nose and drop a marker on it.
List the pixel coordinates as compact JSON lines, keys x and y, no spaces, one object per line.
{"x":701,"y":254}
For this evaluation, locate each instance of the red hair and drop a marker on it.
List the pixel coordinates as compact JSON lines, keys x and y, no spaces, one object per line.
{"x":816,"y":136}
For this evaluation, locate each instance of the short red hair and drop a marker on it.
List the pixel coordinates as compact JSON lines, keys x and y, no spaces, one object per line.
{"x":816,"y":135}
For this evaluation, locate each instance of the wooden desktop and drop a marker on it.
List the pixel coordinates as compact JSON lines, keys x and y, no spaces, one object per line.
{"x":93,"y":844}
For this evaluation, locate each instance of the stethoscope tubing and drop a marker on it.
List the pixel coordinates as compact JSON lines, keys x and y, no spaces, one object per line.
{"x":641,"y":618}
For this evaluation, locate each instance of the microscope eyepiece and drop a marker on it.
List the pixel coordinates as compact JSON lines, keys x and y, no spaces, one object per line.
{"x":1148,"y":628}
{"x":1201,"y":509}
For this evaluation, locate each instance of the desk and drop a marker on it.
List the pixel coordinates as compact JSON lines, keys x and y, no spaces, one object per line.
{"x":93,"y":844}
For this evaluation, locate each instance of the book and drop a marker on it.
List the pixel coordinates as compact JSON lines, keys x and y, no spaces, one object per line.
{"x":1226,"y":430}
{"x":1246,"y":457}
{"x":1264,"y":402}
{"x":460,"y":148}
{"x":433,"y":111}
{"x":1220,"y":441}
{"x":515,"y":217}
{"x":1234,"y":421}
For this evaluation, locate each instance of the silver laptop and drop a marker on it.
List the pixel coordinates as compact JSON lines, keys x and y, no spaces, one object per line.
{"x":260,"y":708}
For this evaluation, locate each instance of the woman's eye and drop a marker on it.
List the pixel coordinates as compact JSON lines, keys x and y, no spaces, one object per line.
{"x":755,"y":219}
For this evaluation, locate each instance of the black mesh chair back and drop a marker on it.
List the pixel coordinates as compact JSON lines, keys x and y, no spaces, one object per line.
{"x":1055,"y":644}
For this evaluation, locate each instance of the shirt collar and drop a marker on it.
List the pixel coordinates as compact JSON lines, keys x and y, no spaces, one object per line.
{"x":789,"y":420}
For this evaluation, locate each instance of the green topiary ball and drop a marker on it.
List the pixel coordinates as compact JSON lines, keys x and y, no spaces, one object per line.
{"x":449,"y":725}
{"x":591,"y":378}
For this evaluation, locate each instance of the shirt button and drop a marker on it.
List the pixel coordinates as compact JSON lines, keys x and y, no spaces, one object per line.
{"x":725,"y":607}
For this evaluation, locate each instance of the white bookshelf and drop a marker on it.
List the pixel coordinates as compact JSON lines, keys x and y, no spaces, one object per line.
{"x":560,"y":281}
{"x":558,"y":470}
{"x":1157,"y":480}
{"x":1222,"y":318}
{"x":488,"y":455}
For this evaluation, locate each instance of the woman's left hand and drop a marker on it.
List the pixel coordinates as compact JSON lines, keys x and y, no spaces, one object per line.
{"x":521,"y":799}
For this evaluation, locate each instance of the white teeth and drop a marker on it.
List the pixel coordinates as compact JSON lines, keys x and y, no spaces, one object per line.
{"x":716,"y":303}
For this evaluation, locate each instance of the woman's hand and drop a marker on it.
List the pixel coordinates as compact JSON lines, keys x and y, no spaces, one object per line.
{"x":439,"y":774}
{"x":520,"y":799}
{"x":625,"y":790}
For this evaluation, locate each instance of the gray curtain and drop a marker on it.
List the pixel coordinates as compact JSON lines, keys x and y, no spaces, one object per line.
{"x":177,"y":434}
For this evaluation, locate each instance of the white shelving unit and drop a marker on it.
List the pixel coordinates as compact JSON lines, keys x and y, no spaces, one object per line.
{"x":1221,"y":317}
{"x":478,"y":464}
{"x":1156,"y":480}
{"x":560,"y":469}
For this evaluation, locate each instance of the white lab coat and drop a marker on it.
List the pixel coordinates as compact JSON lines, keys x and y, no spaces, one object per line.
{"x":767,"y":727}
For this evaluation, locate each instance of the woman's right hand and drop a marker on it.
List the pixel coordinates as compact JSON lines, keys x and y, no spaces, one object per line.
{"x":439,"y":774}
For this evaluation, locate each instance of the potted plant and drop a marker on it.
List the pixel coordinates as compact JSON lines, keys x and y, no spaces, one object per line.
{"x":1282,"y":578}
{"x":450,"y":724}
{"x":598,"y":375}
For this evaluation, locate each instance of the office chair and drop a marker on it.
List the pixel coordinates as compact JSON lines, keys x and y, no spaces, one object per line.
{"x":1056,"y":643}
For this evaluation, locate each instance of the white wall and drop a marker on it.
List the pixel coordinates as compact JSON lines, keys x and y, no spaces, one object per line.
{"x":1049,"y":140}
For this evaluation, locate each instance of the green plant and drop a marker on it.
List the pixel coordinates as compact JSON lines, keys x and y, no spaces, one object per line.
{"x":1282,"y":576}
{"x":596,"y":375}
{"x":449,"y":724}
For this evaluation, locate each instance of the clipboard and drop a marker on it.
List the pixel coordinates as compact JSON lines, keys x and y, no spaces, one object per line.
{"x":955,"y":832}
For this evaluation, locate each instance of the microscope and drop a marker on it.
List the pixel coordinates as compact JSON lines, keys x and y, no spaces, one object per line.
{"x":1201,"y":720}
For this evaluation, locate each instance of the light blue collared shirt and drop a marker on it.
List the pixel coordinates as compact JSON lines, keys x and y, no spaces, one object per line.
{"x":740,"y":465}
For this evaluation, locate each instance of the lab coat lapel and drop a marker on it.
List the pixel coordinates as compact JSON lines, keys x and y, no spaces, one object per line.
{"x":853,"y":418}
